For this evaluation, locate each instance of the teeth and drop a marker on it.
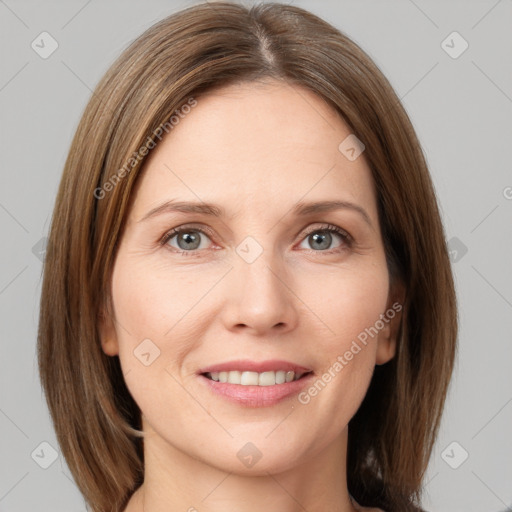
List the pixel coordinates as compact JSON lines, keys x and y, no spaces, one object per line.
{"x":254,"y":378}
{"x":249,"y":379}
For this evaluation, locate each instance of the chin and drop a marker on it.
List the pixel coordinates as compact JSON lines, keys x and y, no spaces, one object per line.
{"x":257,"y":457}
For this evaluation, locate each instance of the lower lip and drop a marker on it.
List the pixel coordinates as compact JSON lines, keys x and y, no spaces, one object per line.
{"x":257,"y":396}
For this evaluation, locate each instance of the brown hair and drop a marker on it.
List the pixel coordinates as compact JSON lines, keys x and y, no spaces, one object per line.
{"x":187,"y":54}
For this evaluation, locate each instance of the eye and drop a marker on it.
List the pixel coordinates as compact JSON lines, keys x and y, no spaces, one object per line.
{"x":320,"y":238}
{"x":187,"y":239}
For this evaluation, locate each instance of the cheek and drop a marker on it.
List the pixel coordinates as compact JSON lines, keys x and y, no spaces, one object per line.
{"x":149,"y":300}
{"x":142,"y":311}
{"x":349,"y":304}
{"x":156,"y":310}
{"x":348,"y":349}
{"x":150,"y":309}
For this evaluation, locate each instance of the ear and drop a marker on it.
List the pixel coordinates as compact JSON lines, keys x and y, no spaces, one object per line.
{"x":108,"y":336}
{"x":391,"y":318}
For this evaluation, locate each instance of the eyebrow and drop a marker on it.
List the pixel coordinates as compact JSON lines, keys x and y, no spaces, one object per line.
{"x":301,"y":209}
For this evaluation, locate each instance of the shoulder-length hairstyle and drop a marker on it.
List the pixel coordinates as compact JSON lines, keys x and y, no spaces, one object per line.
{"x":171,"y":65}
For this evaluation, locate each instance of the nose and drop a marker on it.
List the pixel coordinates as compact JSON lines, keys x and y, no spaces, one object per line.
{"x":260,"y":297}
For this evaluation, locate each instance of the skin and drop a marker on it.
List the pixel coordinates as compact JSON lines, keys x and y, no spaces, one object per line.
{"x":256,"y":150}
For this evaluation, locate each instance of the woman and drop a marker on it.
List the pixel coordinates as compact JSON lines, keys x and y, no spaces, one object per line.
{"x":247,"y":299}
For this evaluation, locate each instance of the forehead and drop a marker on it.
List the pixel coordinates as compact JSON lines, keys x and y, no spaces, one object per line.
{"x":255,"y":146}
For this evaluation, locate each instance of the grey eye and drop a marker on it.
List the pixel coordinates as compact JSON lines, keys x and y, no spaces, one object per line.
{"x":321,"y":239}
{"x":187,"y":240}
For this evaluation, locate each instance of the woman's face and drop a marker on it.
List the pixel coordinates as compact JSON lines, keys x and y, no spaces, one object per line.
{"x":255,"y":284}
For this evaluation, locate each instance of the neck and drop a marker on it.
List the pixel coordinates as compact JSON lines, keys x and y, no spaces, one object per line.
{"x":175,"y":481}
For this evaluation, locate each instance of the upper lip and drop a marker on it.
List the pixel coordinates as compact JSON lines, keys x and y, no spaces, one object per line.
{"x":245,"y":365}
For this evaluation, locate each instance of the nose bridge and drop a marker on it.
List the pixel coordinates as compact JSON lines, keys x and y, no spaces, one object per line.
{"x":257,"y":266}
{"x":259,"y":296}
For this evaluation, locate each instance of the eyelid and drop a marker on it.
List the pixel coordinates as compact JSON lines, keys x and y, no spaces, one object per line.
{"x":328,"y":227}
{"x":198,"y":227}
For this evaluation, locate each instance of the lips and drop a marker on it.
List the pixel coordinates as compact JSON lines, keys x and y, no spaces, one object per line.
{"x":255,"y":384}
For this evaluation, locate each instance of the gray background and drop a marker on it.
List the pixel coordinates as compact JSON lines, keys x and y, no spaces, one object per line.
{"x":462,"y":111}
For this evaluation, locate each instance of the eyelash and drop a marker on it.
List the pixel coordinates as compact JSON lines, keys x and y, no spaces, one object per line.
{"x":346,"y":238}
